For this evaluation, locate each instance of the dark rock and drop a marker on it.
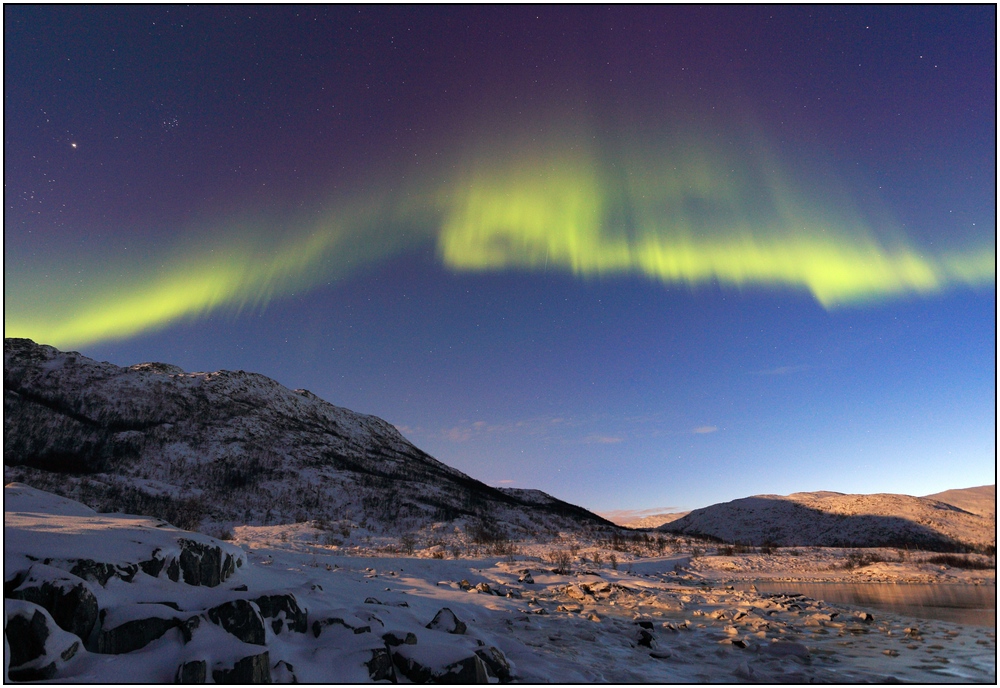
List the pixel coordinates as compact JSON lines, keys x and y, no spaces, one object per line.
{"x":152,"y":567}
{"x":645,"y":624}
{"x":284,"y":610}
{"x":37,"y":646}
{"x":192,"y":672}
{"x":380,"y":666}
{"x":283,"y":672}
{"x":470,"y":670}
{"x":372,"y":600}
{"x":445,"y":620}
{"x":358,"y":627}
{"x":392,"y":639}
{"x":252,"y":669}
{"x":101,"y":572}
{"x":242,"y":619}
{"x":496,"y":663}
{"x":188,"y":628}
{"x":467,"y":670}
{"x":66,"y":597}
{"x":242,"y":588}
{"x":132,"y":635}
{"x":526,"y":578}
{"x":484,"y":588}
{"x":646,"y":639}
{"x":205,"y":564}
{"x":26,"y":635}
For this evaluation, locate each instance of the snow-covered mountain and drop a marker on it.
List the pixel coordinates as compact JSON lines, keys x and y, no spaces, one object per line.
{"x":832,"y":519}
{"x":234,"y":448}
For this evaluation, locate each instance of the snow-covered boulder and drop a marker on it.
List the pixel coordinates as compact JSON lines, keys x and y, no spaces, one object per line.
{"x":37,"y":646}
{"x":67,"y":598}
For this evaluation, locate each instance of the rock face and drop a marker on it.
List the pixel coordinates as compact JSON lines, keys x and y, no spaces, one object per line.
{"x":38,"y":647}
{"x":252,"y":669}
{"x":194,"y":446}
{"x":66,"y":597}
{"x":284,"y":612}
{"x":432,"y":663}
{"x":832,"y":519}
{"x":242,"y":619}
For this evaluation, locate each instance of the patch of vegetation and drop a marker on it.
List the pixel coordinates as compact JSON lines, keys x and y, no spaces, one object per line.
{"x":562,"y":560}
{"x":858,"y":559}
{"x":957,"y":561}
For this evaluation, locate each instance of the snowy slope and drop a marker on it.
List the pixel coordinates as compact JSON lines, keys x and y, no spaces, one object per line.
{"x":833,"y":519}
{"x":304,"y":613}
{"x":976,"y":500}
{"x":233,"y":448}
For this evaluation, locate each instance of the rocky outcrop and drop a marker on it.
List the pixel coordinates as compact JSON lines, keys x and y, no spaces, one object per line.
{"x":131,"y":627}
{"x":242,"y":619}
{"x":284,"y":612}
{"x":195,"y":671}
{"x":439,"y":663}
{"x":38,"y":647}
{"x":351,"y":623}
{"x":496,"y":663}
{"x":445,"y":620}
{"x":252,"y":669}
{"x":67,"y":598}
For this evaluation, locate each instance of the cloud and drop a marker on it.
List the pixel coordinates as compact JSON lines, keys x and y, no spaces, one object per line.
{"x":705,"y":429}
{"x":783,"y":370}
{"x":602,"y":439}
{"x":506,"y":482}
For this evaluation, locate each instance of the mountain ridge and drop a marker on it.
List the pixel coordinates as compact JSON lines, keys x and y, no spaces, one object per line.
{"x":237,"y":447}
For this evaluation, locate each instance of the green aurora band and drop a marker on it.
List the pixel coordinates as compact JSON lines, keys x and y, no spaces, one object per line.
{"x":684,"y":212}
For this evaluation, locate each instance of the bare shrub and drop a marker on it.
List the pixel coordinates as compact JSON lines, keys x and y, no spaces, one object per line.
{"x":859,"y":559}
{"x":957,"y":561}
{"x":562,"y":560}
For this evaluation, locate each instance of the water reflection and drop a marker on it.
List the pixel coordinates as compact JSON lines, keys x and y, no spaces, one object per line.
{"x":974,"y":605}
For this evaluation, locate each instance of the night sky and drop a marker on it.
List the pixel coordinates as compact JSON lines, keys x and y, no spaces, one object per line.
{"x":637,"y":257}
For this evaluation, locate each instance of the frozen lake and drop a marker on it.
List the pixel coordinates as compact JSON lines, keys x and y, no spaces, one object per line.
{"x":974,"y":605}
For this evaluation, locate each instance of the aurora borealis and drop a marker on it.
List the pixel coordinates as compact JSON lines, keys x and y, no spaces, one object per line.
{"x":419,"y":212}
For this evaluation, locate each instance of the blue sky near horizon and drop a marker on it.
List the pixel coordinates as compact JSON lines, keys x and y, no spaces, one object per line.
{"x":636,"y":257}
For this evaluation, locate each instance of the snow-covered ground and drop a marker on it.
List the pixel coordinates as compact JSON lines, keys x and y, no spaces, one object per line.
{"x":299,"y":608}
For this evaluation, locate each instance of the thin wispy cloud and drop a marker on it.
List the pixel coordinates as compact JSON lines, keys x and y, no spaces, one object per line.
{"x":705,"y":429}
{"x":783,"y":370}
{"x":602,"y":439}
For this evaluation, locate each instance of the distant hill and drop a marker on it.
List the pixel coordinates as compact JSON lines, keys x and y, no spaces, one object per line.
{"x":844,"y":520}
{"x":642,"y":519}
{"x":976,"y":500}
{"x":234,"y":448}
